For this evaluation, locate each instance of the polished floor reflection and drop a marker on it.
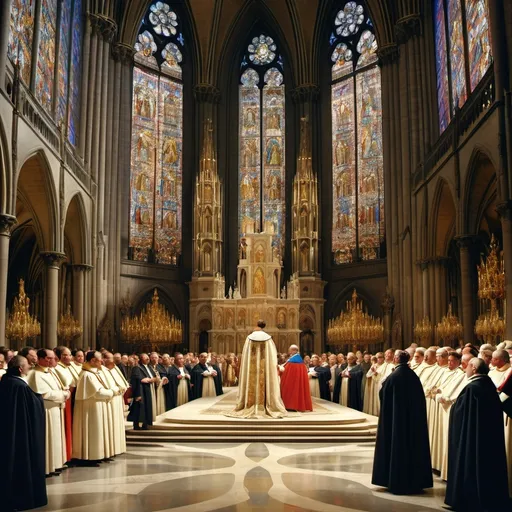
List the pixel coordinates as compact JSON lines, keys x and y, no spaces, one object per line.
{"x":234,"y":477}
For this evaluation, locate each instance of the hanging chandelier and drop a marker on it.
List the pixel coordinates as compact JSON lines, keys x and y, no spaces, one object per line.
{"x":153,"y":326}
{"x":423,"y":331}
{"x":491,"y":287}
{"x":449,"y":329}
{"x":20,"y":325}
{"x":355,"y":326}
{"x":68,"y":328}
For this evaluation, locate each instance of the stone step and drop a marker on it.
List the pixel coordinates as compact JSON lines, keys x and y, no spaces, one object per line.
{"x":181,"y":438}
{"x":249,"y":433}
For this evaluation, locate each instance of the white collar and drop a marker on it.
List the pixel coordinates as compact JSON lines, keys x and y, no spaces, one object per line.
{"x":259,"y":336}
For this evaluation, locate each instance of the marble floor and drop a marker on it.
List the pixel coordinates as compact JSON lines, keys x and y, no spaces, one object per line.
{"x":234,"y":477}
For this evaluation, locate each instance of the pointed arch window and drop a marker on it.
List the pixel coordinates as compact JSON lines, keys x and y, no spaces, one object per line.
{"x":357,"y":163}
{"x":261,"y":176}
{"x":157,"y":137}
{"x":463,"y":52}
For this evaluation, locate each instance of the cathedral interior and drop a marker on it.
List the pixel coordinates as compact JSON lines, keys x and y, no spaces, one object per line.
{"x":253,"y":159}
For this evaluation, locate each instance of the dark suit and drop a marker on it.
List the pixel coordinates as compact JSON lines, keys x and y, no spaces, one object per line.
{"x":141,"y":411}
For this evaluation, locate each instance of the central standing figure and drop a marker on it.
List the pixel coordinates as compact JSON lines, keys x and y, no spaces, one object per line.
{"x":259,"y":395}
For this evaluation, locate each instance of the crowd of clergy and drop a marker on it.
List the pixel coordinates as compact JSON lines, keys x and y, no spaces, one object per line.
{"x":66,"y":408}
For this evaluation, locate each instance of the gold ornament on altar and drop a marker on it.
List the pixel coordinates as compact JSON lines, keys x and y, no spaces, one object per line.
{"x":491,"y":287}
{"x":423,"y":331}
{"x":21,"y":326}
{"x":68,"y":328}
{"x":153,"y":326}
{"x":355,"y":326}
{"x":449,"y":329}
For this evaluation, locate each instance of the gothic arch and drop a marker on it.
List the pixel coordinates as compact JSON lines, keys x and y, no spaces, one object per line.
{"x":36,"y":190}
{"x":443,"y":215}
{"x":479,"y":192}
{"x":75,"y":231}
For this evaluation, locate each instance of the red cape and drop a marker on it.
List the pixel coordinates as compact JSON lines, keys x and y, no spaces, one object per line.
{"x":295,"y":388}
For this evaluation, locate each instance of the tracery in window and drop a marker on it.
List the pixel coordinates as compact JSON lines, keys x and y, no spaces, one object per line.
{"x":21,"y":36}
{"x":357,"y":163}
{"x":261,"y":179}
{"x":157,"y":139}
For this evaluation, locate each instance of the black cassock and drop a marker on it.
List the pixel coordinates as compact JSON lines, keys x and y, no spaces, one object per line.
{"x":355,"y":400}
{"x":402,"y":452}
{"x":218,"y":380}
{"x":141,"y":411}
{"x":324,"y":376}
{"x":172,"y":374}
{"x":22,"y":431}
{"x":477,"y":464}
{"x":197,"y":379}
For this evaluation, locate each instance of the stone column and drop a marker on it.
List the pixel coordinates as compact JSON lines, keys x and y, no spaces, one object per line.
{"x":79,"y":294}
{"x":505,"y":212}
{"x":464,"y":242}
{"x":424,"y":277}
{"x":387,"y":305}
{"x":5,"y":28}
{"x":432,"y":291}
{"x":53,"y":261}
{"x":6,"y":223}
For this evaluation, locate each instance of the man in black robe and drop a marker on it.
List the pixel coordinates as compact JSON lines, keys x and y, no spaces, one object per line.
{"x":477,"y":463}
{"x":353,"y":376}
{"x":177,"y":374}
{"x":199,"y":373}
{"x":323,"y":374}
{"x":141,"y":382}
{"x":402,"y":452}
{"x":22,"y":431}
{"x":218,"y":378}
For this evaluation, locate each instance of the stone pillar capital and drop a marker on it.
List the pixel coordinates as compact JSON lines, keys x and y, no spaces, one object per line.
{"x":6,"y":224}
{"x":53,"y":259}
{"x":103,"y":26}
{"x":407,"y":27}
{"x":82,"y":267}
{"x":388,"y":53}
{"x":123,"y":53}
{"x":206,"y":93}
{"x":504,"y":210}
{"x":305,"y":93}
{"x":424,"y":263}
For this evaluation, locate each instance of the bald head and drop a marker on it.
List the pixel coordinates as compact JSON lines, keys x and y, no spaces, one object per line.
{"x":500,"y":358}
{"x":465,"y":360}
{"x":294,"y":349}
{"x":401,"y":357}
{"x":476,"y":367}
{"x":430,"y":356}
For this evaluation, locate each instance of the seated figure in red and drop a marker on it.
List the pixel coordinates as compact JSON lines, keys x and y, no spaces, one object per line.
{"x":295,"y":391}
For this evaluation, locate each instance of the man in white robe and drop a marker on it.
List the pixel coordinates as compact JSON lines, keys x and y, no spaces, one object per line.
{"x":118,"y":384}
{"x":259,"y":394}
{"x":91,"y":443}
{"x":44,"y":381}
{"x":371,"y":404}
{"x":428,"y":367}
{"x":162,"y":381}
{"x":417,"y":359}
{"x":431,"y":385}
{"x":388,"y":367}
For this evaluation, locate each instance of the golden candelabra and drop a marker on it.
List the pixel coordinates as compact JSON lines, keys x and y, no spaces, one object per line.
{"x":491,"y":287}
{"x":21,"y":326}
{"x":154,"y":325}
{"x":355,"y":326}
{"x":423,"y":331}
{"x":68,"y":328}
{"x":449,"y":329}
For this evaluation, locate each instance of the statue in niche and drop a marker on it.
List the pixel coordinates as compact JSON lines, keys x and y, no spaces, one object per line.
{"x":243,"y":250}
{"x":258,"y":283}
{"x":170,"y":151}
{"x":304,"y":190}
{"x":281,"y":319}
{"x":259,"y":254}
{"x":208,"y":193}
{"x":241,"y":319}
{"x":283,"y":292}
{"x":273,"y":152}
{"x":304,"y":259}
{"x":170,"y":220}
{"x":230,"y":293}
{"x":229,"y":319}
{"x":236,"y":293}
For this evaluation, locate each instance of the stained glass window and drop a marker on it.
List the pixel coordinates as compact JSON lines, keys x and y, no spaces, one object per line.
{"x":463,"y":52}
{"x":65,"y":34}
{"x":45,"y":71}
{"x":157,"y":139}
{"x":21,"y":36}
{"x":75,"y":72}
{"x":261,"y":177}
{"x":357,"y":163}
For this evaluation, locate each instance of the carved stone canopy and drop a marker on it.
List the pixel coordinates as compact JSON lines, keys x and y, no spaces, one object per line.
{"x":53,"y":259}
{"x":206,"y":93}
{"x":6,"y":223}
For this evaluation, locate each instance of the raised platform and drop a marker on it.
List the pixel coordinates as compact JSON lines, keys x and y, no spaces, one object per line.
{"x":202,"y":421}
